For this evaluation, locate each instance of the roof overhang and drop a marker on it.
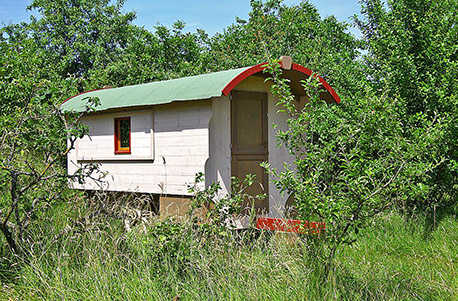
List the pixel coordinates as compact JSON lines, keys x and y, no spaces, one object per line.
{"x":203,"y":86}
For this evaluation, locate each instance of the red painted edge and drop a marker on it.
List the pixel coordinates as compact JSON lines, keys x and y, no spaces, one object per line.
{"x":236,"y":80}
{"x":116,"y":138}
{"x":259,"y":67}
{"x":248,"y":72}
{"x":81,"y":93}
{"x":289,"y":225}
{"x":309,"y":72}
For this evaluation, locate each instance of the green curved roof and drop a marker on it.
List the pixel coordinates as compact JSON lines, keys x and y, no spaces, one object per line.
{"x":181,"y":89}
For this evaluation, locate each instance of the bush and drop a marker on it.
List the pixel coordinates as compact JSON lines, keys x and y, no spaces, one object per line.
{"x":352,"y":160}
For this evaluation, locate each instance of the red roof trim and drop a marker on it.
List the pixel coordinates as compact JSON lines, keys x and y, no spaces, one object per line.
{"x":309,"y":72}
{"x":236,"y":80}
{"x":260,"y":67}
{"x":248,"y":72}
{"x":80,"y":94}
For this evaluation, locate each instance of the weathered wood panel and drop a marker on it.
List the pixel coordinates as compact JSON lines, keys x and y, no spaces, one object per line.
{"x":178,"y":137}
{"x":181,"y":147}
{"x":220,"y":158}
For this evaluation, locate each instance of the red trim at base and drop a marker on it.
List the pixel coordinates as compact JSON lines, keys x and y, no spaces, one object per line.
{"x":289,"y":225}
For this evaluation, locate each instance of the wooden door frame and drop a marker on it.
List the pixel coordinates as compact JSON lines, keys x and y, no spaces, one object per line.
{"x":251,"y":155}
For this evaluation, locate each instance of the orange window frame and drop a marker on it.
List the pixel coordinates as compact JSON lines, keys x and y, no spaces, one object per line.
{"x":117,"y":136}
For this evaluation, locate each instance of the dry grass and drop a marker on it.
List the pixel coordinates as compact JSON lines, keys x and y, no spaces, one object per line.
{"x":394,"y":259}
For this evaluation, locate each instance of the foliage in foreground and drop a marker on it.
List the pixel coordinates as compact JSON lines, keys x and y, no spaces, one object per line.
{"x":403,"y":128}
{"x":32,"y":174}
{"x":412,"y":57}
{"x":353,"y":160}
{"x":97,"y":259}
{"x":390,"y":145}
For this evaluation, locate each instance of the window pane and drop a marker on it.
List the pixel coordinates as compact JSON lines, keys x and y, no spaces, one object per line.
{"x":125,"y":130}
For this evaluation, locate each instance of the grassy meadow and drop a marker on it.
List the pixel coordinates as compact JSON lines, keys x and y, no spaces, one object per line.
{"x":390,"y":143}
{"x":97,"y":259}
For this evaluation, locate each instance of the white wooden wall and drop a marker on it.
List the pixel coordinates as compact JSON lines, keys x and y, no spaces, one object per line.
{"x":99,"y":144}
{"x":172,"y":142}
{"x":169,"y":145}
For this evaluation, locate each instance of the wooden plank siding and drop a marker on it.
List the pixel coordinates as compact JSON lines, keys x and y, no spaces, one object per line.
{"x":169,"y":149}
{"x":99,"y":144}
{"x":185,"y":138}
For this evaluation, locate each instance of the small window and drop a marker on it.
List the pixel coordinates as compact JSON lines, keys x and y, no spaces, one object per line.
{"x":122,"y":135}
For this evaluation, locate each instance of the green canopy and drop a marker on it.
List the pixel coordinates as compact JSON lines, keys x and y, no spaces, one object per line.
{"x":181,"y":89}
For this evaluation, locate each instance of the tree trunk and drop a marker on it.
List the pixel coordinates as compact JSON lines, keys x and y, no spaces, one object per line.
{"x":9,"y":239}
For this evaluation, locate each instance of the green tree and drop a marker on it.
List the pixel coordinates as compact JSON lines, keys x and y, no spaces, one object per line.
{"x":33,"y":173}
{"x":33,"y":133}
{"x":80,"y":35}
{"x":159,"y":55}
{"x":323,"y":45}
{"x":412,"y":56}
{"x":352,"y":160}
{"x":97,"y":42}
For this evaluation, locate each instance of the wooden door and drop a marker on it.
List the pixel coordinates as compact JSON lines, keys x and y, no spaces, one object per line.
{"x":249,"y":142}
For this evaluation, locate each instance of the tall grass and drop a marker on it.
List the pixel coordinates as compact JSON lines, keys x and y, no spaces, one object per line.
{"x":98,"y":260}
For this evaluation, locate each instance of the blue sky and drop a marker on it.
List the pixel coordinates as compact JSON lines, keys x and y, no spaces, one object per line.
{"x":210,"y":15}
